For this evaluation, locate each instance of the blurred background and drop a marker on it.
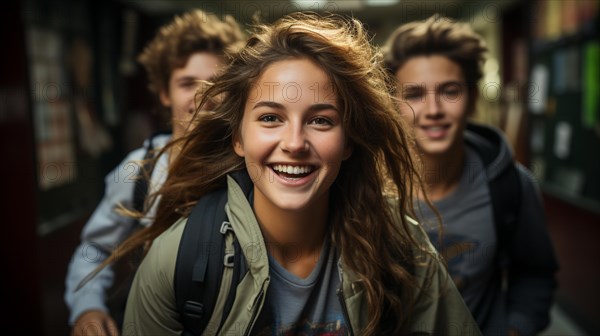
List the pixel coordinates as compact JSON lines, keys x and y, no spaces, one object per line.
{"x":73,"y":102}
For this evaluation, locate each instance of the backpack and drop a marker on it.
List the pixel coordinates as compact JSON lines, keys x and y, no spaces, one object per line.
{"x":140,"y":190}
{"x":505,"y":189}
{"x":125,"y":270}
{"x":209,"y":263}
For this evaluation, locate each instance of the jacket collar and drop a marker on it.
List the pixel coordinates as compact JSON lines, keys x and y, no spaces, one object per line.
{"x":244,"y":224}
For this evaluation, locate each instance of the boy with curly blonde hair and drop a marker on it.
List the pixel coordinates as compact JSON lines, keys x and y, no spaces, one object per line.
{"x":183,"y":54}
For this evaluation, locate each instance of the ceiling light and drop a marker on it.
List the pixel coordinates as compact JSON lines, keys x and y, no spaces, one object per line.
{"x":382,"y":2}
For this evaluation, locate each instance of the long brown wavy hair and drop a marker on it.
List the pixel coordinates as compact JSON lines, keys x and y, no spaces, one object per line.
{"x":372,"y":236}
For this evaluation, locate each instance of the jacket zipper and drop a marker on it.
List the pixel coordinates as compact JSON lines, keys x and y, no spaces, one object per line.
{"x":255,"y":307}
{"x":340,"y":295}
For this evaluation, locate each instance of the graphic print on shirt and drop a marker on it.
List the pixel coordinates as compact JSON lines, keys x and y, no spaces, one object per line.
{"x":336,"y":327}
{"x":456,"y":250}
{"x":304,"y":306}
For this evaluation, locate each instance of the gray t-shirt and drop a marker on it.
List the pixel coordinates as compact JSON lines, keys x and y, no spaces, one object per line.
{"x":469,"y":243}
{"x":306,"y":306}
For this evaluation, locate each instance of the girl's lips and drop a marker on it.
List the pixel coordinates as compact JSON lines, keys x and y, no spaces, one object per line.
{"x":294,"y":169}
{"x":291,"y":179}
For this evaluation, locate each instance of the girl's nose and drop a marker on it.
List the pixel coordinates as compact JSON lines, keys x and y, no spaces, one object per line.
{"x":294,"y":139}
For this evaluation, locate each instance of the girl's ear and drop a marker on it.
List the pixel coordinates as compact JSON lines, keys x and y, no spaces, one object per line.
{"x":238,"y":146}
{"x":164,"y":98}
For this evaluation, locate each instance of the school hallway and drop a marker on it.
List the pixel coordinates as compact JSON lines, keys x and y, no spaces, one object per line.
{"x":74,"y":101}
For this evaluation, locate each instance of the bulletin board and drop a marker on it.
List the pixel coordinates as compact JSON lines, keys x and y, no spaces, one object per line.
{"x":564,"y":108}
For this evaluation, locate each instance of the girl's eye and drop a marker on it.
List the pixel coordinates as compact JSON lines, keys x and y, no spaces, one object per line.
{"x":269,"y":118}
{"x":321,"y":121}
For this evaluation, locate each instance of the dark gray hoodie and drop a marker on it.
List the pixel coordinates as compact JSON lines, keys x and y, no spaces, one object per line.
{"x":515,"y":291}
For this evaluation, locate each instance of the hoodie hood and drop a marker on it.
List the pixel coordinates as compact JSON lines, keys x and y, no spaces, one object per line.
{"x":492,"y":146}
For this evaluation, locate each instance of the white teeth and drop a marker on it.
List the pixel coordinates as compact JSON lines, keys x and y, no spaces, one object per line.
{"x":293,"y":170}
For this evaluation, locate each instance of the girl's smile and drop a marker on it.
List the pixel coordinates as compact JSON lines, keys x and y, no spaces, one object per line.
{"x":294,"y":175}
{"x":291,"y":136}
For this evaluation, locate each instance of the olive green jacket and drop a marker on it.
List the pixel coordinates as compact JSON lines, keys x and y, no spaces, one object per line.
{"x":151,"y":306}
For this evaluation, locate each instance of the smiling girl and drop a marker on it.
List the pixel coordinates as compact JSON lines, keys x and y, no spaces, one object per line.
{"x":305,"y":120}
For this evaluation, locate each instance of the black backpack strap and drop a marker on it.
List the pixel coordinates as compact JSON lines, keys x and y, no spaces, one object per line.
{"x":201,"y":259}
{"x":505,"y":189}
{"x":505,"y":193}
{"x":140,"y":190}
{"x":199,"y":266}
{"x":125,"y":273}
{"x":239,"y":270}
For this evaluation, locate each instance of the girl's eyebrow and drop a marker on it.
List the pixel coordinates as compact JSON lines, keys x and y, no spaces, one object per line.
{"x":321,"y":107}
{"x":278,"y":106}
{"x":270,"y":104}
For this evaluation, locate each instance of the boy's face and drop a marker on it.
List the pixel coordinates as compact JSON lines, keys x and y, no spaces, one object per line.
{"x":183,"y":84}
{"x":435,"y":88}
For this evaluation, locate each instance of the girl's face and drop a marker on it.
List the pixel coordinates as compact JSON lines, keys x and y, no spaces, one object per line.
{"x":183,"y":84}
{"x":435,"y":88}
{"x":291,"y":135}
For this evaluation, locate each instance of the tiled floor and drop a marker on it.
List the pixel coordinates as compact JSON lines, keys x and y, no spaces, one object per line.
{"x":562,"y":325}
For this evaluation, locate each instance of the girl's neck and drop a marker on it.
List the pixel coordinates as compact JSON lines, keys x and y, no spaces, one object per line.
{"x":293,"y":238}
{"x":442,"y":172}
